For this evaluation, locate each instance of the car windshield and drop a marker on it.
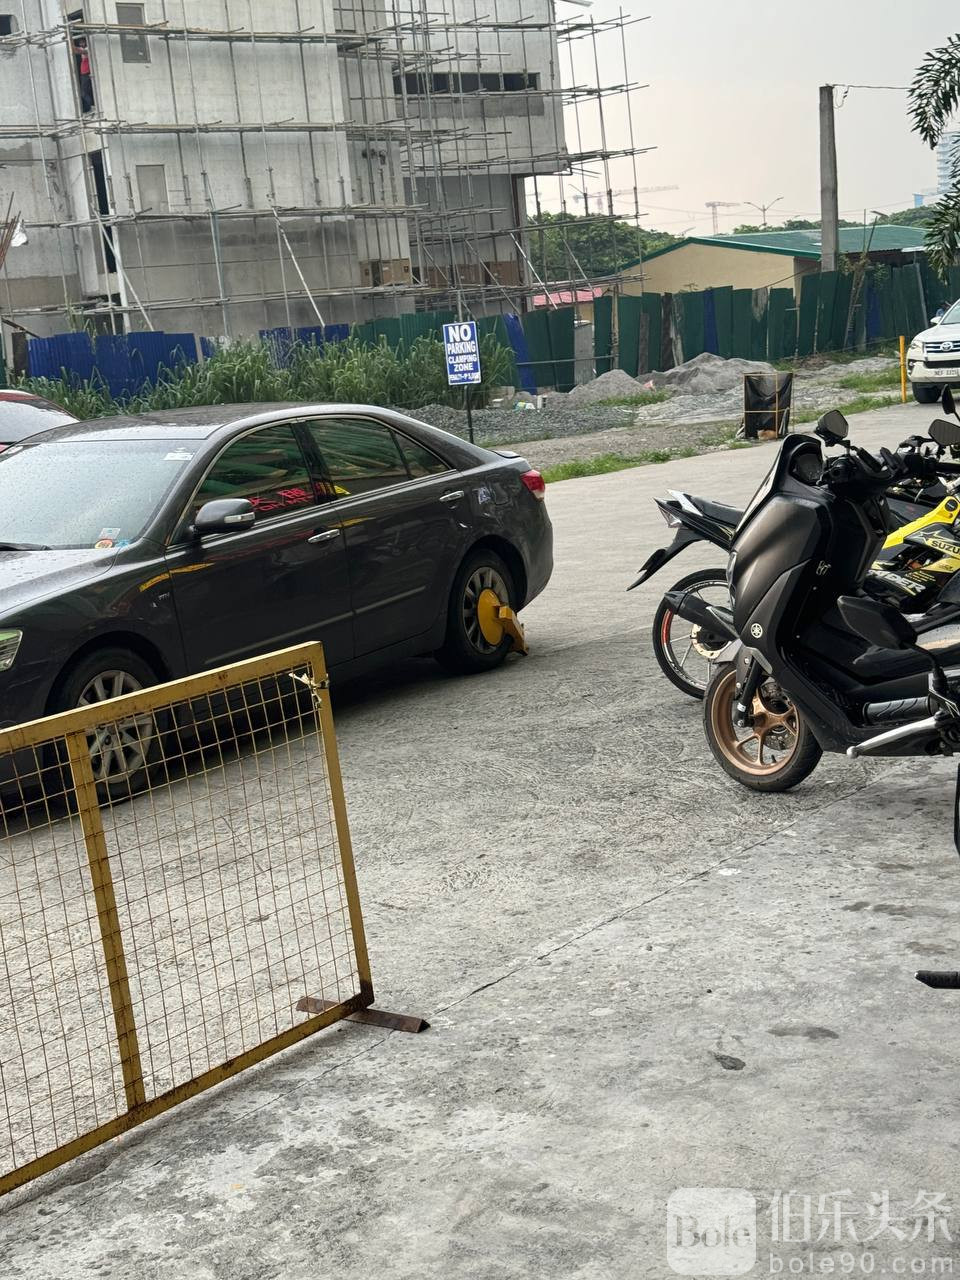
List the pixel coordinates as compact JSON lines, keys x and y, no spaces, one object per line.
{"x":952,"y":316}
{"x":86,"y":493}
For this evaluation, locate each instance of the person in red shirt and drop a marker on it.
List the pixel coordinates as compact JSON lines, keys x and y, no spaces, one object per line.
{"x":82,"y":56}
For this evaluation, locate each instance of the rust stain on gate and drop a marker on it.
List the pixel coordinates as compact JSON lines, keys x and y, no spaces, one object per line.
{"x":160,"y":934}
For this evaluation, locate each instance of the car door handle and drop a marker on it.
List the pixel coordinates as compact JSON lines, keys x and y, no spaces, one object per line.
{"x":452,"y":496}
{"x":325,"y":535}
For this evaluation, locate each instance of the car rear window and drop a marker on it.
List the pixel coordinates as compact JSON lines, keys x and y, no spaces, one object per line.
{"x":20,"y":417}
{"x":86,"y":493}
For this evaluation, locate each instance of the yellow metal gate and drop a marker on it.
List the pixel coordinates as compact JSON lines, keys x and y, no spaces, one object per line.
{"x":158,"y":932}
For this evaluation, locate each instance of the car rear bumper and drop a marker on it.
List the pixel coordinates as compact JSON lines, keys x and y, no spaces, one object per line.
{"x":539,"y":559}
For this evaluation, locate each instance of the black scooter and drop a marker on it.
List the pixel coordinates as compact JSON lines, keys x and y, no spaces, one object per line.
{"x":939,"y":732}
{"x":803,"y":681}
{"x":688,"y":648}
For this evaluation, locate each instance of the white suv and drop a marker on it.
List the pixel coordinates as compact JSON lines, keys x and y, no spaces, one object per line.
{"x":933,"y":358}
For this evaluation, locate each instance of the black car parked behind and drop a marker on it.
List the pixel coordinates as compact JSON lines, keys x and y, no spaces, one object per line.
{"x":135,"y":550}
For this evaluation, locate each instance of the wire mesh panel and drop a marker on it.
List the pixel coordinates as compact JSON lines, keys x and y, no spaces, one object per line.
{"x":175,"y":878}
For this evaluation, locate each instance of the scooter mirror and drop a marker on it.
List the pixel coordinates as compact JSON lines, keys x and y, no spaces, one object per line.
{"x":947,"y":402}
{"x":881,"y":624}
{"x":833,"y":425}
{"x":946,"y":434}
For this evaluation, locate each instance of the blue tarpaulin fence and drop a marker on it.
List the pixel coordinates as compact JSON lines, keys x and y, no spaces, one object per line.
{"x":125,"y":362}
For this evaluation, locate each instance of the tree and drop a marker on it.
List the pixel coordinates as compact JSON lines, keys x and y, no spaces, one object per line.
{"x":791,"y":224}
{"x":601,"y":246}
{"x":934,"y":97}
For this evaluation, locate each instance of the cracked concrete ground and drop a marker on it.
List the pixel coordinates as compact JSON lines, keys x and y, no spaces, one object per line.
{"x":639,"y":978}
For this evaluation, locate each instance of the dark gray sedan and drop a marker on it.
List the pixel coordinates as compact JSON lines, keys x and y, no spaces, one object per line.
{"x":139,"y":549}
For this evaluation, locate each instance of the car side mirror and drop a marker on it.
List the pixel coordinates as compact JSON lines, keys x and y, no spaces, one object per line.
{"x":224,"y":515}
{"x":833,"y":426}
{"x":881,"y":624}
{"x":935,"y":319}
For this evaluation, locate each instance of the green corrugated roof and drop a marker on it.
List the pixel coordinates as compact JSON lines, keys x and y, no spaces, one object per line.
{"x":886,"y":238}
{"x":806,"y":244}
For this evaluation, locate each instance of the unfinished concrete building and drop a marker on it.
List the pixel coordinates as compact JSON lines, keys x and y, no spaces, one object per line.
{"x":226,"y":166}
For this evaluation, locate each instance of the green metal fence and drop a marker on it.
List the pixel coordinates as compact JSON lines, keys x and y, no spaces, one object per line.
{"x":836,"y":311}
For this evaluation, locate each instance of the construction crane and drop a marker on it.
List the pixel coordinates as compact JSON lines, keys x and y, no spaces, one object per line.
{"x":714,"y":205}
{"x":585,"y":196}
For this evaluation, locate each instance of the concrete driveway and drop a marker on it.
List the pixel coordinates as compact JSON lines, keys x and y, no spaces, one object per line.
{"x":640,"y":979}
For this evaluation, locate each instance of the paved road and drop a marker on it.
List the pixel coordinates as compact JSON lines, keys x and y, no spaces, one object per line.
{"x":639,"y":978}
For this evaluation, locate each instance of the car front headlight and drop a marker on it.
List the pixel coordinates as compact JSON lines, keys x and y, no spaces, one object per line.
{"x":9,"y":645}
{"x":915,"y":348}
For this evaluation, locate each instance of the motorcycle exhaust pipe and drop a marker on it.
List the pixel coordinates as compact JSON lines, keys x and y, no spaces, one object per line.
{"x":693,"y":608}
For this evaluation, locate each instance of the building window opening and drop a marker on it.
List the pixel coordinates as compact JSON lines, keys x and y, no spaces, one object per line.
{"x":419,"y":84}
{"x":8,"y":24}
{"x":133,"y":46}
{"x":99,"y":175}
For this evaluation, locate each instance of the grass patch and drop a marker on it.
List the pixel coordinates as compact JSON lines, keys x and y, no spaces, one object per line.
{"x":879,"y":381}
{"x":861,"y":404}
{"x":636,"y":401}
{"x":835,"y":357}
{"x":607,"y":462}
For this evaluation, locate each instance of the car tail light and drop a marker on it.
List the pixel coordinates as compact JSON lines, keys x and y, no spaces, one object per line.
{"x":535,"y":482}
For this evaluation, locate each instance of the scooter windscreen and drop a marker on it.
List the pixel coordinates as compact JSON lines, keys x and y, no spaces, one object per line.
{"x":803,"y":452}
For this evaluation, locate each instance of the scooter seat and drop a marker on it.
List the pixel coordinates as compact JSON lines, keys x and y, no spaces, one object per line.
{"x":718,"y":511}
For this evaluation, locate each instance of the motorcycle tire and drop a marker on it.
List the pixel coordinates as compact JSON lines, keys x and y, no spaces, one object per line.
{"x":794,"y":753}
{"x":691,"y":682}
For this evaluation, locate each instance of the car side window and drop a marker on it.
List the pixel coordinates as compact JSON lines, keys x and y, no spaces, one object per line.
{"x":267,"y":467}
{"x":360,"y":456}
{"x":420,"y":460}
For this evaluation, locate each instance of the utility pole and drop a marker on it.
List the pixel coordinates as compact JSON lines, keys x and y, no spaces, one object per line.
{"x":763,"y":209}
{"x":829,"y":205}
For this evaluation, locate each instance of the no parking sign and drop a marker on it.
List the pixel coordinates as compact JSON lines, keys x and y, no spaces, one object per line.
{"x":462,"y":350}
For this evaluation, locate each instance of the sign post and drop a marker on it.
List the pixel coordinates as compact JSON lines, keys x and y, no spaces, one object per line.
{"x":462,"y":349}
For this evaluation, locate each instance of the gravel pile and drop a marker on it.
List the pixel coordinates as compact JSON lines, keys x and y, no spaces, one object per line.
{"x":615,"y":385}
{"x":707,"y":374}
{"x":578,"y":412}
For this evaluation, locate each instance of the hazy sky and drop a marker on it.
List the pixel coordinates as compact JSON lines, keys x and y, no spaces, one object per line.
{"x":731,"y":106}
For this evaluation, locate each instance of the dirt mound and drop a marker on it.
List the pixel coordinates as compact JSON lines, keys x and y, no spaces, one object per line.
{"x":707,"y":373}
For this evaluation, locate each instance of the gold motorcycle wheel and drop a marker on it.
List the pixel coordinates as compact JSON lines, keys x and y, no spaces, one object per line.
{"x":775,"y":752}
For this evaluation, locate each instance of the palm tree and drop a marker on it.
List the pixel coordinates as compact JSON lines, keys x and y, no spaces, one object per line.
{"x":934,"y":97}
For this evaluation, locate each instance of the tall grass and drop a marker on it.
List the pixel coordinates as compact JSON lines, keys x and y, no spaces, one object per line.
{"x":350,"y":372}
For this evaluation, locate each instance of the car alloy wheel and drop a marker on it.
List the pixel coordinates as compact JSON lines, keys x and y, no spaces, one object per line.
{"x":482,"y":579}
{"x":118,"y":750}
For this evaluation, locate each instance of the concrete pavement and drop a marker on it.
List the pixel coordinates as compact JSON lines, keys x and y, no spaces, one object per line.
{"x":640,"y":978}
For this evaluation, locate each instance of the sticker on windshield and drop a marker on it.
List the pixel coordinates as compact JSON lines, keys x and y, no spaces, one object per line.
{"x":109,"y":533}
{"x":103,"y":544}
{"x":178,"y":455}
